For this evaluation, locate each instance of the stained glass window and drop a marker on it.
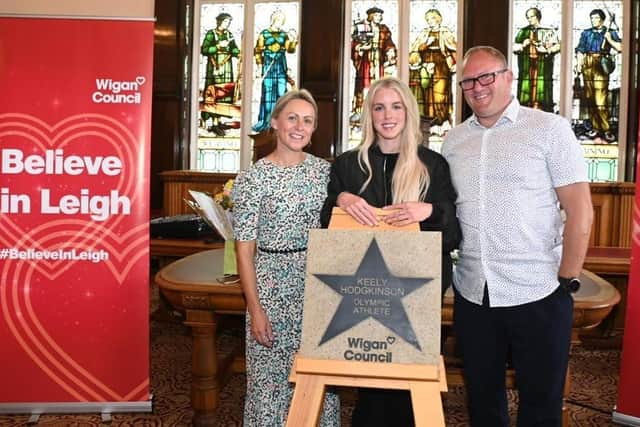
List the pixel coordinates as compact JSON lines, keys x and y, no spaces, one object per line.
{"x":536,"y":47}
{"x":373,"y":53}
{"x":571,"y":64}
{"x":219,"y":86}
{"x":414,"y":40}
{"x":276,"y":58}
{"x":432,"y":65}
{"x":597,"y":71}
{"x":227,"y":106}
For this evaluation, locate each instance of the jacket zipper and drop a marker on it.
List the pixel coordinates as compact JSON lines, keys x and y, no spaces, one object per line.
{"x":384,"y":180}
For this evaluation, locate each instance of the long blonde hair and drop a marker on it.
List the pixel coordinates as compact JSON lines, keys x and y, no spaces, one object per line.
{"x":410,"y":179}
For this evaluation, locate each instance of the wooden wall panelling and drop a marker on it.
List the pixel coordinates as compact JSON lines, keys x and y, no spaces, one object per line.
{"x":624,"y":214}
{"x":177,"y":184}
{"x":633,"y":67}
{"x":321,"y":50}
{"x":164,"y":147}
{"x":168,"y":111}
{"x":613,"y":214}
{"x":326,"y":138}
{"x":602,"y":201}
{"x":486,"y":22}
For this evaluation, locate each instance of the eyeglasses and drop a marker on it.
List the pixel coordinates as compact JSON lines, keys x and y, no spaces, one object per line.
{"x":484,"y":80}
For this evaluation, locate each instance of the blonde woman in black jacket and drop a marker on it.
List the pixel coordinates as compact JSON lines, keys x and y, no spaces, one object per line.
{"x":391,"y":169}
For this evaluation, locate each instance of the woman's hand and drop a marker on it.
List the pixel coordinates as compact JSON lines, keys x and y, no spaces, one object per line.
{"x":261,"y":327}
{"x":358,"y":208}
{"x":408,"y":213}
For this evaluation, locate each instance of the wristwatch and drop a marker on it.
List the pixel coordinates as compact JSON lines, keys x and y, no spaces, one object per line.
{"x":571,"y":284}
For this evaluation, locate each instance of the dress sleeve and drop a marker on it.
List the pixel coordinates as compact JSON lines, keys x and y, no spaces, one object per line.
{"x":442,"y":195}
{"x":246,"y":197}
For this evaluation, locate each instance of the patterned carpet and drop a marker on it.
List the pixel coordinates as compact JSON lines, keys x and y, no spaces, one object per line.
{"x":593,"y":389}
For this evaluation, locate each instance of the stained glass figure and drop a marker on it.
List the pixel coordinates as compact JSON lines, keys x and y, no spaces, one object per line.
{"x":270,"y":51}
{"x":536,"y":47}
{"x":219,"y":47}
{"x":432,"y":57}
{"x":373,"y":53}
{"x":432,"y":62}
{"x":597,"y":84}
{"x":219,"y":76}
{"x":594,"y":64}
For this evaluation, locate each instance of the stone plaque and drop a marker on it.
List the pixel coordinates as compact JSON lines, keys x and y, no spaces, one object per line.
{"x":373,"y":296}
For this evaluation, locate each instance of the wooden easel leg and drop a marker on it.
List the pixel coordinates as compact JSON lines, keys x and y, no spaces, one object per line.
{"x":427,"y":403}
{"x":307,"y":401}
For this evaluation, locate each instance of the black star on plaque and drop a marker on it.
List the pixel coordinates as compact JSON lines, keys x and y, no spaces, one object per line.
{"x":372,"y":292}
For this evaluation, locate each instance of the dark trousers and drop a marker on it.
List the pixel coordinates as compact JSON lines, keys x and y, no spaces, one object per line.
{"x":537,"y":337}
{"x":382,"y":408}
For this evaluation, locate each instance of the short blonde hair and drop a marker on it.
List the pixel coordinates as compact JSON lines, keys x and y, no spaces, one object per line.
{"x":490,"y":50}
{"x":285,"y":99}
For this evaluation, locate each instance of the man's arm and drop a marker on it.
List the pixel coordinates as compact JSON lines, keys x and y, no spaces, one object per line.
{"x":575,"y":199}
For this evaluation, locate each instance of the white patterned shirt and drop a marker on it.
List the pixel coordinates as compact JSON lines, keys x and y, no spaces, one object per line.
{"x":508,"y":209}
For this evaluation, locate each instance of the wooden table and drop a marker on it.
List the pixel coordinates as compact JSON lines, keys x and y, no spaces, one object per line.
{"x":179,"y":248}
{"x":191,"y":284}
{"x":167,"y":250}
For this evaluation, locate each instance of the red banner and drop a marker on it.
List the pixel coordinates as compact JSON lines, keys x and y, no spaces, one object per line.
{"x":75,"y":115}
{"x":628,"y":406}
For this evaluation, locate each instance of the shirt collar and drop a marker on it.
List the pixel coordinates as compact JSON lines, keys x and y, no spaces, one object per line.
{"x":509,"y":114}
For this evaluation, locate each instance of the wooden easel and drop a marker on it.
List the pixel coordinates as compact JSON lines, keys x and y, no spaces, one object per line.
{"x":340,"y":220}
{"x":425,"y":382}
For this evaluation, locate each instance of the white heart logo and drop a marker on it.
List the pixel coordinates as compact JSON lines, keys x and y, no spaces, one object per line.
{"x":140,"y":80}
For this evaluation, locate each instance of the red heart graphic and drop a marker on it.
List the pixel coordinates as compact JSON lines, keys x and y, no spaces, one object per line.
{"x":88,"y":286}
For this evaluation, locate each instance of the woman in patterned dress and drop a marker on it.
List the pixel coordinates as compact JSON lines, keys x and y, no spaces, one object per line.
{"x":276,"y":202}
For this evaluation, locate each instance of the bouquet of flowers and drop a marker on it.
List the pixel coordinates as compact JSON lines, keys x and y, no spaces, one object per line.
{"x":216,"y":211}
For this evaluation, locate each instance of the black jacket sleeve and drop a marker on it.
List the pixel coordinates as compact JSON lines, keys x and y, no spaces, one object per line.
{"x":334,"y":188}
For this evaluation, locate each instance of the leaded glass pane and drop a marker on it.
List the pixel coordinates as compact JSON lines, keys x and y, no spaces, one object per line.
{"x":536,"y":53}
{"x":432,"y":65}
{"x":597,"y":68}
{"x":219,"y":82}
{"x":374,"y":28}
{"x":276,"y":30}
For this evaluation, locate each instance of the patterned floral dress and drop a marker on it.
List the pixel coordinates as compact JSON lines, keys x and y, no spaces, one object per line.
{"x":276,"y":206}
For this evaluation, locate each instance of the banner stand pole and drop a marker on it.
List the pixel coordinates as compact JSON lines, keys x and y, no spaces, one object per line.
{"x":625,"y":420}
{"x":40,"y":408}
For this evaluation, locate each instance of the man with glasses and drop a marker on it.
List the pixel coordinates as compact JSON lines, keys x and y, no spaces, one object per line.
{"x":513,"y":168}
